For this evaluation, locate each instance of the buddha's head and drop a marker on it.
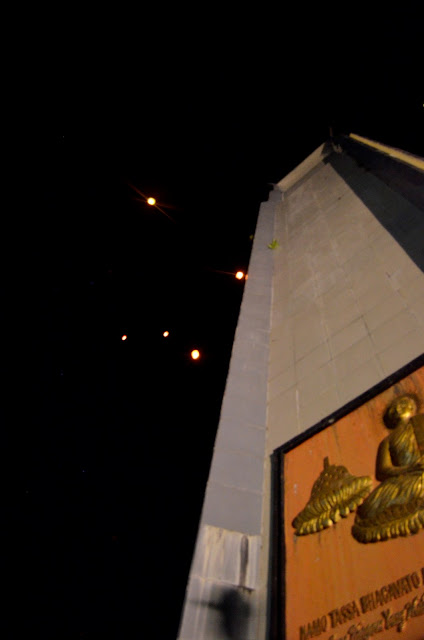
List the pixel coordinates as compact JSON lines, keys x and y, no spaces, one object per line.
{"x":401,"y":410}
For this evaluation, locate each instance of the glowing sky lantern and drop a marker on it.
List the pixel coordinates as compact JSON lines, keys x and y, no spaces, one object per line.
{"x":165,"y":334}
{"x":151,"y":201}
{"x":195,"y":354}
{"x":124,"y":337}
{"x":239,"y":275}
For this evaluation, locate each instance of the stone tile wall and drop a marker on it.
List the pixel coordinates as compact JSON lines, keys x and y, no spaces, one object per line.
{"x":334,"y":308}
{"x":347,"y":299}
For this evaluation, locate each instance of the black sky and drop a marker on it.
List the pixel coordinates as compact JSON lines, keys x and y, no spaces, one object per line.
{"x":107,"y":443}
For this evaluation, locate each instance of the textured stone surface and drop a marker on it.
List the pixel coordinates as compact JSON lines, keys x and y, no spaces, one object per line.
{"x":334,"y":309}
{"x":352,"y":313}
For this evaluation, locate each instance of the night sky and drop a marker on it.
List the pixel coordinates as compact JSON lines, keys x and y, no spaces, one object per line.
{"x":107,"y":443}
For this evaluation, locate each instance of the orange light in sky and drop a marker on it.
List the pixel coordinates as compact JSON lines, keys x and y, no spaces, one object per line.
{"x":165,"y":334}
{"x":195,"y":354}
{"x":239,"y":275}
{"x":124,"y":337}
{"x":151,"y":201}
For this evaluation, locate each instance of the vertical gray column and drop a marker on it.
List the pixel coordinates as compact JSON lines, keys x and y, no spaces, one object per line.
{"x":222,"y":596}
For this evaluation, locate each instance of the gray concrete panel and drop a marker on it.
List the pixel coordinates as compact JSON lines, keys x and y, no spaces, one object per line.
{"x":237,"y":469}
{"x":239,"y":435}
{"x":233,"y":509}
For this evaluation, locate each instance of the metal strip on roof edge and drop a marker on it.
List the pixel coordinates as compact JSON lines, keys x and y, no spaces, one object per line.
{"x":398,"y":154}
{"x":328,"y":147}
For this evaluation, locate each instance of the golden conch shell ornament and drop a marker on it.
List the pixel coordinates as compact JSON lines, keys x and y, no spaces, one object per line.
{"x":334,"y":495}
{"x":396,"y":506}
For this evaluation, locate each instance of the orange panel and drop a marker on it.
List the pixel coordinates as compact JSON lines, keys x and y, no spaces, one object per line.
{"x":336,"y":587}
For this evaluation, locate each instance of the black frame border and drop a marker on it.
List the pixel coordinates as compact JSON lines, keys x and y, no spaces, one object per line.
{"x":278,"y":559}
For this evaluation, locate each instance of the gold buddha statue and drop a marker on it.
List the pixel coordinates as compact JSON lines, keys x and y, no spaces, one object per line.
{"x":396,"y":506}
